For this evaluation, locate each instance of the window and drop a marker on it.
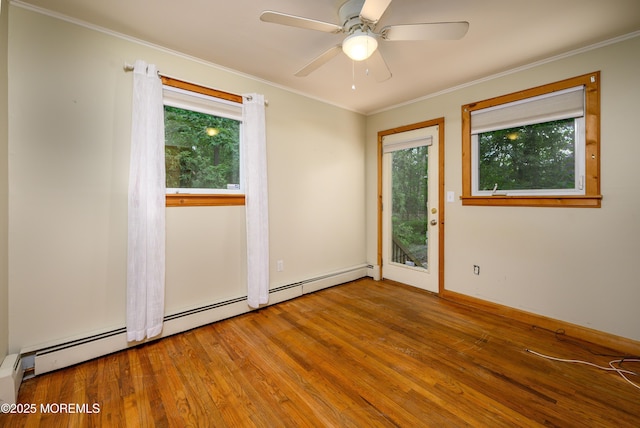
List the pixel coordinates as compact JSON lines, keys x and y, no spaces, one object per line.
{"x":538,"y":147}
{"x":202,"y":145}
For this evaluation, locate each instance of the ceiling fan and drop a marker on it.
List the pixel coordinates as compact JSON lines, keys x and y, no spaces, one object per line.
{"x":359,"y":19}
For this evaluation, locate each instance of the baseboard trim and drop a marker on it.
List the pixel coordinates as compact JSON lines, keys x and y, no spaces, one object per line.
{"x":374,"y":272}
{"x":609,"y":340}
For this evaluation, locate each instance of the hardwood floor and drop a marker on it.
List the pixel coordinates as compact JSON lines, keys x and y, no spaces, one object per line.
{"x":363,"y":354}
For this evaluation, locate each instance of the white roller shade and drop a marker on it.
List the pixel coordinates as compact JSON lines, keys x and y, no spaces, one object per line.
{"x":406,"y":140}
{"x":558,"y":105}
{"x":176,"y":97}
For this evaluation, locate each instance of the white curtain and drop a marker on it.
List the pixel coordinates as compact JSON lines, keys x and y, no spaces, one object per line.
{"x":146,"y":245}
{"x":257,"y":208}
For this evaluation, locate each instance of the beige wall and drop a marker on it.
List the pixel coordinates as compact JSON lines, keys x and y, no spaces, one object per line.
{"x":69,"y":143}
{"x":4,"y":193}
{"x":576,"y":265}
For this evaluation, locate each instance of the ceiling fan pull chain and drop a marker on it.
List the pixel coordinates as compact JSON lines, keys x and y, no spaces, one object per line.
{"x":353,"y":75}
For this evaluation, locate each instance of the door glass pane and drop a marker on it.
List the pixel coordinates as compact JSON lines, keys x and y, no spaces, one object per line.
{"x":409,"y":179}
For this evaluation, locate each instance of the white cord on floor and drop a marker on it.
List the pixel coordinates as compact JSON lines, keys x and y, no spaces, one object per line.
{"x":611,"y":367}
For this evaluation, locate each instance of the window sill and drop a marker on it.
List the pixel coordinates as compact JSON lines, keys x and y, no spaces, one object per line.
{"x":534,"y":201}
{"x":198,"y":200}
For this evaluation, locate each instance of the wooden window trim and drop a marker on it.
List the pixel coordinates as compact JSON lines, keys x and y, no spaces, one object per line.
{"x":192,"y":87}
{"x":195,"y":199}
{"x":592,"y":197}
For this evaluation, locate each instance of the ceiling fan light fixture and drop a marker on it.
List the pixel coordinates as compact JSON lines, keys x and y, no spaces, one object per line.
{"x":359,"y":45}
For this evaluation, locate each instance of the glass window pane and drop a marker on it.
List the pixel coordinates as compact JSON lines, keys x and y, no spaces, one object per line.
{"x":409,"y":206}
{"x":202,"y":151}
{"x":532,"y":157}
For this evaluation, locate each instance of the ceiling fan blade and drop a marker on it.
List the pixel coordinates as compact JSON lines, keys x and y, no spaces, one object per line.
{"x":432,"y":31}
{"x":372,"y":10}
{"x":378,"y":67}
{"x":319,"y":61}
{"x":298,"y":21}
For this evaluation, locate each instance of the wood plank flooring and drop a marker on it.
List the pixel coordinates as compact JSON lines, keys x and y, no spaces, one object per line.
{"x":362,"y":354}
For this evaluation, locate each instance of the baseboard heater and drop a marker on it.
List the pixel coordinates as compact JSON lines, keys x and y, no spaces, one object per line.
{"x":11,"y":373}
{"x":85,"y":348}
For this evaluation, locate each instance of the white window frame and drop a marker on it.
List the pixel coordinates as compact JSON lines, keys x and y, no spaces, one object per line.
{"x":525,"y":117}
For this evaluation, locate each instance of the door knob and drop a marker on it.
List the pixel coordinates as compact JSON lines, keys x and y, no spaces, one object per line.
{"x":434,"y":222}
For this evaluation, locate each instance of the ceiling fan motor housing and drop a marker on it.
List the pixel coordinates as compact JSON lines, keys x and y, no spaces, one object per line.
{"x":349,"y":14}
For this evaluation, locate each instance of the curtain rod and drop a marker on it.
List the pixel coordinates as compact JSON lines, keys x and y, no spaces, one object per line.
{"x":128,"y":67}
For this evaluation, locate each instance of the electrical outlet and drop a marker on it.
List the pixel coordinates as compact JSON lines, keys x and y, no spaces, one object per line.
{"x":280,"y":265}
{"x":476,"y":270}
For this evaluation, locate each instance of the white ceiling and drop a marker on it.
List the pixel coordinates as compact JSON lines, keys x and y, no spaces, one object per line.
{"x":503,"y":35}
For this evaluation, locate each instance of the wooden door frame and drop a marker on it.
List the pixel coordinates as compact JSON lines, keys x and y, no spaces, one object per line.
{"x":439,"y":122}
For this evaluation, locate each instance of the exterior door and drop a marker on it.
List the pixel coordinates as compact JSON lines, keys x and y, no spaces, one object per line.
{"x":410,"y":204}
